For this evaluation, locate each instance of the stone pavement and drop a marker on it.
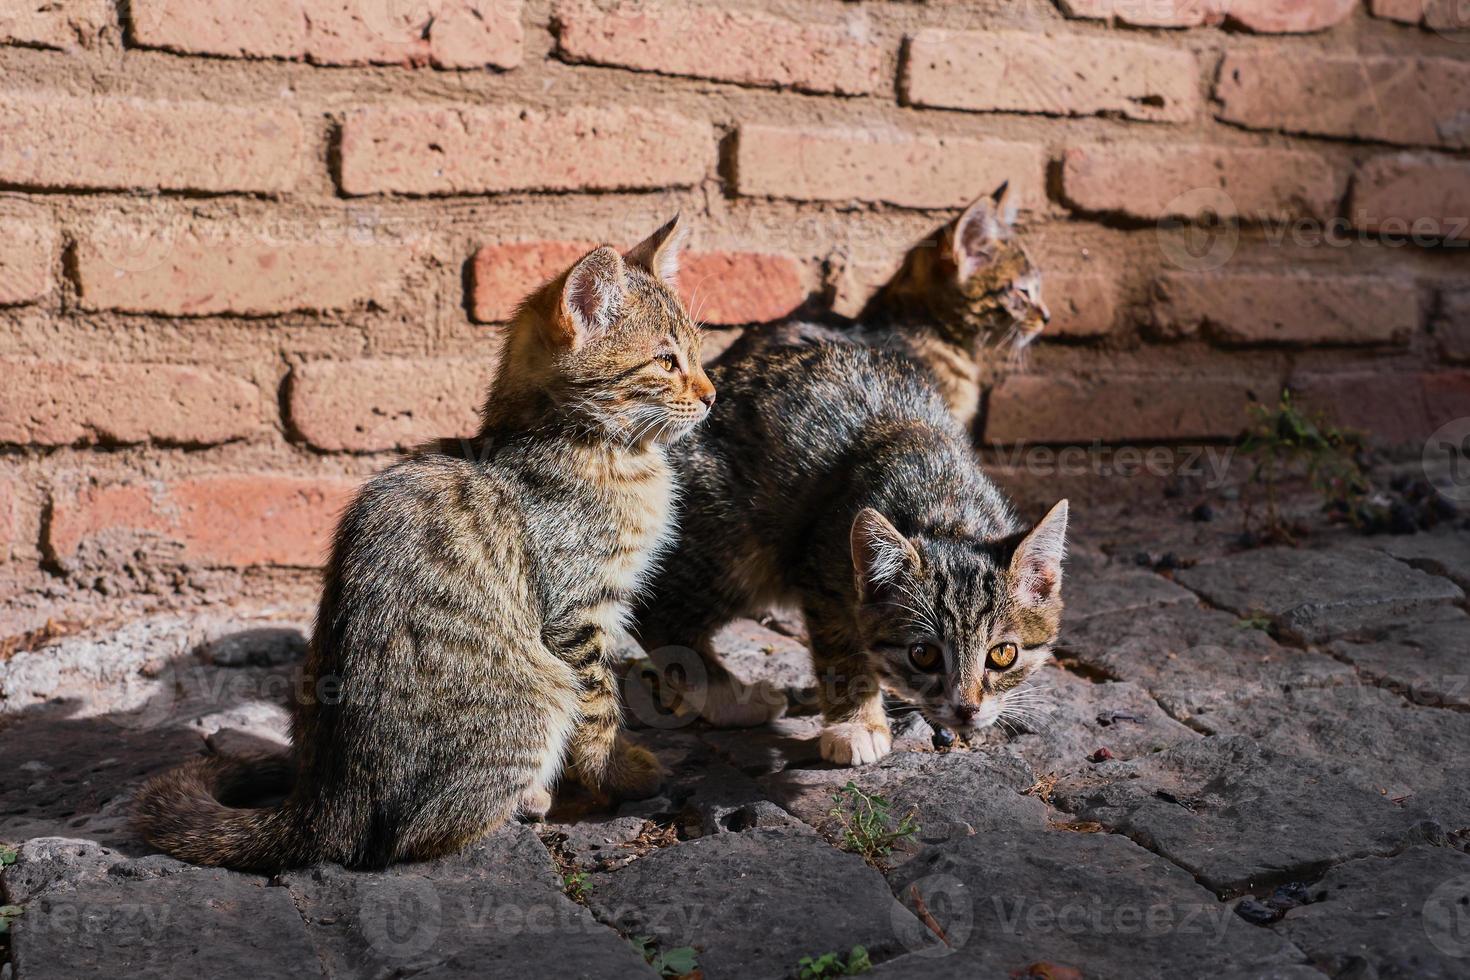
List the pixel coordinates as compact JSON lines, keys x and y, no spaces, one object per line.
{"x":1254,"y":765}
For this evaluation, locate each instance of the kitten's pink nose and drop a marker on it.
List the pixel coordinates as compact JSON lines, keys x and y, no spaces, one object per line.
{"x":709,"y":399}
{"x":967,"y":711}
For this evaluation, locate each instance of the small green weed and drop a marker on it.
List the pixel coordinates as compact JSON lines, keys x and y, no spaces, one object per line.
{"x":832,"y":965}
{"x":678,"y":962}
{"x":576,"y":885}
{"x":1283,"y":440}
{"x":867,"y":823}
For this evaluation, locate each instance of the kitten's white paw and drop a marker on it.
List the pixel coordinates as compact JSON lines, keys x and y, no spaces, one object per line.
{"x":735,"y":704}
{"x":535,"y":802}
{"x":855,"y":744}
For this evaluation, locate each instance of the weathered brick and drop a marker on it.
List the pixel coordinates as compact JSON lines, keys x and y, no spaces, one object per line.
{"x":205,"y":270}
{"x":447,"y":151}
{"x":1053,"y":409}
{"x":444,"y":33}
{"x":231,"y":520}
{"x":1391,"y":408}
{"x":1271,"y":308}
{"x":1082,"y":304}
{"x":27,"y":254}
{"x":1411,"y":101}
{"x":725,"y":288}
{"x":1261,"y":16}
{"x":1404,"y":11}
{"x":741,"y":46}
{"x":903,"y":169}
{"x":1452,"y":325}
{"x":1438,"y":15}
{"x":59,"y":403}
{"x":1416,"y":194}
{"x":54,"y":25}
{"x":368,"y":405}
{"x":127,"y":143}
{"x":1018,"y":71}
{"x":719,"y":287}
{"x":1150,"y":181}
{"x":7,"y":519}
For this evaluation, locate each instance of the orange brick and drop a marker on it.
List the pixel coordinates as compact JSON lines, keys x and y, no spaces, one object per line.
{"x":125,"y":143}
{"x":368,"y":405}
{"x":1391,"y":408}
{"x":904,"y":169}
{"x":1019,"y":71}
{"x":1261,"y":16}
{"x":7,"y":520}
{"x":1082,"y":304}
{"x":444,"y":33}
{"x":230,"y":520}
{"x":207,"y":269}
{"x":1053,"y":409}
{"x":60,"y":403}
{"x":1411,"y":101}
{"x":1271,"y":308}
{"x":1149,"y":181}
{"x":741,"y":46}
{"x":1408,"y":193}
{"x":27,"y":254}
{"x":720,"y":288}
{"x":444,"y":151}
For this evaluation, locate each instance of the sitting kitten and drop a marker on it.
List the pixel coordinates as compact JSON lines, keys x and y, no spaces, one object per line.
{"x":835,"y":480}
{"x":971,"y":290}
{"x":462,"y":646}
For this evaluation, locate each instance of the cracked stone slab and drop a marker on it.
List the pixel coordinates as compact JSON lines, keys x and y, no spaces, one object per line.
{"x":1425,"y":658}
{"x":754,"y":904}
{"x":1085,"y":716}
{"x":1096,"y":902}
{"x":754,"y":653}
{"x":950,"y":794}
{"x":1113,"y":588}
{"x":1372,"y":736}
{"x":197,"y":923}
{"x":495,"y":910}
{"x":1195,"y":660}
{"x":1441,"y":552}
{"x":1239,"y":816}
{"x":1316,"y":595}
{"x":1402,"y":916}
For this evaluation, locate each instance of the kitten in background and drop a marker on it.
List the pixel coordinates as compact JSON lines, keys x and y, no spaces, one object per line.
{"x":965,"y":304}
{"x":467,"y":608}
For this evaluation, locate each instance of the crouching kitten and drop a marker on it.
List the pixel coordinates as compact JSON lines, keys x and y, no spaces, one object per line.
{"x":466,"y":611}
{"x":835,"y":480}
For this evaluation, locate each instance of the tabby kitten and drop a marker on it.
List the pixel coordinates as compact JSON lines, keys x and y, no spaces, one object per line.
{"x":964,"y":303}
{"x":462,"y":648}
{"x":835,"y":480}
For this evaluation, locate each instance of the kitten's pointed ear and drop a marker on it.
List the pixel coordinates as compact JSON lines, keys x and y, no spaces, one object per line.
{"x":1036,"y":567}
{"x":977,"y":233}
{"x":659,"y":253}
{"x":879,"y":554}
{"x":591,"y":299}
{"x":1005,"y":204}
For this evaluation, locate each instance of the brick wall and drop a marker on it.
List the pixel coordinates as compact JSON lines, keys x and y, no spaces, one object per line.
{"x":249,"y":250}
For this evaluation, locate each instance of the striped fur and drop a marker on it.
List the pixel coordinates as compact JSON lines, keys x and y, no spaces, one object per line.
{"x":965,"y":304}
{"x":834,"y":480}
{"x":461,"y":653}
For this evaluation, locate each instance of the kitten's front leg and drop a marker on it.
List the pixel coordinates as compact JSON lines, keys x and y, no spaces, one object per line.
{"x":855,"y":728}
{"x":602,"y":757}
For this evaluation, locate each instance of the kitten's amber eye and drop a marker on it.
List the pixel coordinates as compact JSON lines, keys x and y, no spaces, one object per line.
{"x":1002,"y":656}
{"x":668,"y":362}
{"x":926,"y":657}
